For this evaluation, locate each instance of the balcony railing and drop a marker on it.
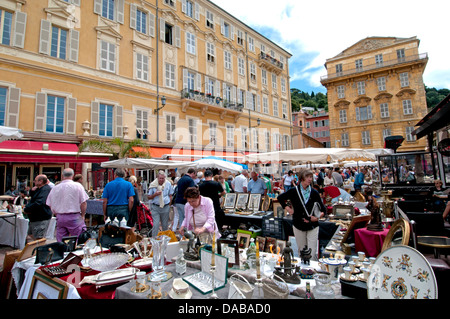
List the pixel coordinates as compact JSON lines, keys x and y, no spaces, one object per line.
{"x":370,"y":67}
{"x":270,"y":61}
{"x":210,"y":99}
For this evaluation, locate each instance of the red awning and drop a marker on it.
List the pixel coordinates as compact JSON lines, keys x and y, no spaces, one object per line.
{"x":46,"y":152}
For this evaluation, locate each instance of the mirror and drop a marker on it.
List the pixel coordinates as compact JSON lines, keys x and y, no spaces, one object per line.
{"x":399,"y":234}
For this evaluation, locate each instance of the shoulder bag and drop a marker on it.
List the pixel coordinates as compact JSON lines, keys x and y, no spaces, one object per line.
{"x":315,"y":210}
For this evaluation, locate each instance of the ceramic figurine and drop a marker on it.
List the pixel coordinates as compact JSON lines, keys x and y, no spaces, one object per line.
{"x":305,"y":255}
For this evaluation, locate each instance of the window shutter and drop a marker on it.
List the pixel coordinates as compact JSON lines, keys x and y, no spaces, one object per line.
{"x":249,"y":100}
{"x":197,"y":11}
{"x":98,"y":7}
{"x":39,"y":116}
{"x":185,"y":80}
{"x":177,"y":36}
{"x":44,"y":38}
{"x":120,"y":11}
{"x":232,"y":32}
{"x":207,"y":89}
{"x":258,"y":106}
{"x":224,"y":88}
{"x":76,"y":2}
{"x":233,"y":94}
{"x":151,"y":24}
{"x":218,"y":89}
{"x":222,"y":26}
{"x":19,"y":29}
{"x":74,"y":45}
{"x":199,"y":82}
{"x":369,"y":112}
{"x":71,"y":122}
{"x":162,"y":29}
{"x":357,"y":113}
{"x":183,"y":6}
{"x":14,"y":107}
{"x":95,"y":117}
{"x":119,"y":121}
{"x":133,"y":13}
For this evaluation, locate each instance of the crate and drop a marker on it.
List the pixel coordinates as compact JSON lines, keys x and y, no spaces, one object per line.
{"x":273,"y":227}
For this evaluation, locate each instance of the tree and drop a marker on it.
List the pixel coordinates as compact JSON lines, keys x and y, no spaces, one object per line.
{"x":117,"y":146}
{"x":435,"y":96}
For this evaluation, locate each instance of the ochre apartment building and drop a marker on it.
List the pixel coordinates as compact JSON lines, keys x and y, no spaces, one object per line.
{"x":184,"y":76}
{"x":375,"y":89}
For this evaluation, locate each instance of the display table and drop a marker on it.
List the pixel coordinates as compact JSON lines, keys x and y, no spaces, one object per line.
{"x":436,"y":242}
{"x":369,"y":241}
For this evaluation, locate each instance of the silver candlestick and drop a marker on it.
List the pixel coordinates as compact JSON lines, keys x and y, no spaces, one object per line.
{"x":213,"y":293}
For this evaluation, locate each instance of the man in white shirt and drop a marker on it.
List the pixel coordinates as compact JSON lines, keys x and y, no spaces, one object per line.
{"x":240,"y":182}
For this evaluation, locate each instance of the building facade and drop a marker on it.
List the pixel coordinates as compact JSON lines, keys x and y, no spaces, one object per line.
{"x":375,"y":89}
{"x":318,"y":127}
{"x":184,"y":76}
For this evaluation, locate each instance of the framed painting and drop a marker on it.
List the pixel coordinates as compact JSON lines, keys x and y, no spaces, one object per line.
{"x":271,"y":245}
{"x":266,"y":203}
{"x":241,"y":201}
{"x":44,"y":287}
{"x":261,"y":243}
{"x":229,"y":201}
{"x":230,"y":249}
{"x":254,"y":201}
{"x":243,"y":240}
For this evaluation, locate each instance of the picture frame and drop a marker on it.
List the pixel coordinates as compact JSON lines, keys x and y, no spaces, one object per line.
{"x":253,"y":201}
{"x":281,"y":244}
{"x":241,"y":200}
{"x":343,"y":211}
{"x":357,"y":222}
{"x":229,"y":200}
{"x":229,"y":248}
{"x":261,"y":242}
{"x":266,"y":203}
{"x":44,"y":287}
{"x":275,"y":206}
{"x":271,"y":241}
{"x":243,"y":240}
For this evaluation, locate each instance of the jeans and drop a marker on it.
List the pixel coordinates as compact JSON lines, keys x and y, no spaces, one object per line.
{"x":160,"y":216}
{"x":119,"y":211}
{"x":180,"y":211}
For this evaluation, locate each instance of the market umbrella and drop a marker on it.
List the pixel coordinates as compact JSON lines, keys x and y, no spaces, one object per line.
{"x":10,"y":133}
{"x":218,"y":163}
{"x":145,"y":163}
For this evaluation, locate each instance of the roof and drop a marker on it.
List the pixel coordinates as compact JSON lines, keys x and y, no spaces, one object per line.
{"x":436,"y":119}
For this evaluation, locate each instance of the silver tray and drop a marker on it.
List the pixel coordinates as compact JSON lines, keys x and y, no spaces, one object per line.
{"x":115,"y":277}
{"x":107,"y":262}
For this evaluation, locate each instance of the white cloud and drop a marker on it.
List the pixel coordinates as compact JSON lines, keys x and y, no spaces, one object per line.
{"x":314,"y":31}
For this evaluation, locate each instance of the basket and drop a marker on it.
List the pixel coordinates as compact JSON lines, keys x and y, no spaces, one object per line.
{"x":275,"y":288}
{"x":239,"y":288}
{"x":272,"y":227}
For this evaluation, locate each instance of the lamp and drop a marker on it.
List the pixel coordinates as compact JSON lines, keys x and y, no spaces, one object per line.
{"x":163,"y":103}
{"x":258,"y":123}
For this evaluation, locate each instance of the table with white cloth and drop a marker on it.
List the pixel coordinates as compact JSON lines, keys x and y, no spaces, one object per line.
{"x":13,"y":230}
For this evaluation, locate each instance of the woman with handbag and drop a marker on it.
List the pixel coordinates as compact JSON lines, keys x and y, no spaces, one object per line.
{"x":303,"y":202}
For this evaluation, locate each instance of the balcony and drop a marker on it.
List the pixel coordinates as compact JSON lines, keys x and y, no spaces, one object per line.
{"x":417,"y":58}
{"x":205,"y":102}
{"x":270,"y":64}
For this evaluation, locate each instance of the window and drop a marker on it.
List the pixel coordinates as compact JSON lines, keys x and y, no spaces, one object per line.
{"x":190,"y":43}
{"x":108,"y":9}
{"x":263,"y":47}
{"x":241,"y":66}
{"x":170,"y":3}
{"x":338,"y":69}
{"x":274,"y":81}
{"x":365,"y":137}
{"x":193,"y":131}
{"x":3,"y":104}
{"x":227,"y":58}
{"x":342,"y":116}
{"x":384,"y":110}
{"x":105,"y":124}
{"x":170,"y":128}
{"x":5,"y":27}
{"x":252,"y":71}
{"x":226,"y":30}
{"x":209,"y":20}
{"x":386,"y":133}
{"x":59,"y":43}
{"x":55,"y":114}
{"x":142,"y":67}
{"x":170,"y":75}
{"x":379,"y":60}
{"x":210,"y":52}
{"x":341,"y":91}
{"x":141,"y":21}
{"x":264,"y":76}
{"x":255,"y":139}
{"x":283,"y":85}
{"x":265,"y":105}
{"x":230,"y":136}
{"x":359,"y":64}
{"x":381,"y":83}
{"x":267,"y":140}
{"x":190,"y":79}
{"x":401,"y":55}
{"x":244,"y":138}
{"x":142,"y":124}
{"x":190,"y":9}
{"x":363,"y":113}
{"x":168,"y":34}
{"x":407,"y":107}
{"x":409,"y":136}
{"x":210,"y":87}
{"x":284,"y":110}
{"x":213,"y":133}
{"x":361,"y":85}
{"x":345,"y":142}
{"x":240,"y":37}
{"x":251,"y":44}
{"x":108,"y":57}
{"x":404,"y":80}
{"x":275,"y":108}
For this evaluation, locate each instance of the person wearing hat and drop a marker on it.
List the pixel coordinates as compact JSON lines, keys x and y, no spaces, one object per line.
{"x":213,"y":190}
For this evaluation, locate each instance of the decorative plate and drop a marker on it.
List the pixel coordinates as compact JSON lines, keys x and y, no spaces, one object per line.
{"x":401,"y":272}
{"x":106,"y":262}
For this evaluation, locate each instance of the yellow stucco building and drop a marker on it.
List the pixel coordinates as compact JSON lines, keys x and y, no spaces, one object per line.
{"x":183,"y":75}
{"x":375,"y":89}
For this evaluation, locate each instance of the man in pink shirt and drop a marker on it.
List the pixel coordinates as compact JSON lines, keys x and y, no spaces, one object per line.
{"x":68,"y":201}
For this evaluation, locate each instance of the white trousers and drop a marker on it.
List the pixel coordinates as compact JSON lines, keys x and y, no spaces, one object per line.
{"x":308,"y":238}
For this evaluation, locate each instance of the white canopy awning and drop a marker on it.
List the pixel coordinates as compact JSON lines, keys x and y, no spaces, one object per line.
{"x":312,"y":155}
{"x":145,"y":163}
{"x":10,"y":133}
{"x":219,"y":164}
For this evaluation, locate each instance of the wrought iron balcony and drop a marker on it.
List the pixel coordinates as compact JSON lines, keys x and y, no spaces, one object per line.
{"x":270,"y":63}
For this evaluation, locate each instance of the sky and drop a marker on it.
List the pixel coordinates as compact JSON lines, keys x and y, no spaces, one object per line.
{"x":313,"y":31}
